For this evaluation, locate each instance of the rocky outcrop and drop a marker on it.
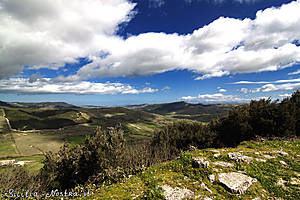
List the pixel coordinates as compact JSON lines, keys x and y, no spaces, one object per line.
{"x":236,"y":182}
{"x":176,"y":193}
{"x":223,"y":164}
{"x":200,"y":163}
{"x":237,"y":156}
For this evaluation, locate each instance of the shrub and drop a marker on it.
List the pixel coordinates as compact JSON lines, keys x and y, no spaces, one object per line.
{"x":96,"y":161}
{"x":178,"y":136}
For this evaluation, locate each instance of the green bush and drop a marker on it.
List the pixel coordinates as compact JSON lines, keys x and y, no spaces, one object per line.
{"x":179,"y":136}
{"x":98,"y":160}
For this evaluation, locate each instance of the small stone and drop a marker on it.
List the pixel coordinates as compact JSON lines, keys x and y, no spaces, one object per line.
{"x":223,"y":164}
{"x":256,"y":153}
{"x":236,"y":182}
{"x":214,"y":151}
{"x":207,"y":198}
{"x":20,"y":163}
{"x":260,"y":160}
{"x":176,"y":193}
{"x":204,"y":187}
{"x":212,"y":178}
{"x":269,"y":157}
{"x":217,"y":155}
{"x":200,"y":163}
{"x":283,"y":163}
{"x":237,"y":156}
{"x":257,"y":198}
{"x":281,"y":153}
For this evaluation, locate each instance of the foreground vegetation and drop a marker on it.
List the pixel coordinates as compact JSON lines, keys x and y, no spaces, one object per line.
{"x":106,"y":158}
{"x":274,"y":180}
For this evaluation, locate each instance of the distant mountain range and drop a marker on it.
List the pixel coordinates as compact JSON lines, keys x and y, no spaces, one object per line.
{"x":179,"y":110}
{"x":41,"y":105}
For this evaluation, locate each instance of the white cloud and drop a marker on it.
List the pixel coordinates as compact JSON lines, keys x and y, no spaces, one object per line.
{"x":166,"y":88}
{"x":222,"y":90}
{"x":250,"y":82}
{"x":280,"y":87}
{"x":244,"y":90}
{"x":294,"y":73}
{"x":265,"y":82}
{"x":285,"y":95}
{"x":224,"y":46}
{"x":214,"y":98}
{"x":49,"y":33}
{"x":213,"y":74}
{"x":156,"y":3}
{"x":50,"y":86}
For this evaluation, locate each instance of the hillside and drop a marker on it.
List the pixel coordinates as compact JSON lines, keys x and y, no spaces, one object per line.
{"x":29,"y":131}
{"x":41,"y":105}
{"x":253,"y":170}
{"x":184,"y":110}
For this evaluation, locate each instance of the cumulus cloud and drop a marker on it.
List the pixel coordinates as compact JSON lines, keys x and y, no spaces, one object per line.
{"x":224,"y":46}
{"x":50,"y":86}
{"x":50,"y":33}
{"x":213,"y":74}
{"x":214,"y":98}
{"x":222,"y":90}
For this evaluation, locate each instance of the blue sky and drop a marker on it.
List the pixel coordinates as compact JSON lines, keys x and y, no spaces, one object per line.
{"x":120,"y":52}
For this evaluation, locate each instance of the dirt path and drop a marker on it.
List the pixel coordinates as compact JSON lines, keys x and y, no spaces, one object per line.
{"x":4,"y":123}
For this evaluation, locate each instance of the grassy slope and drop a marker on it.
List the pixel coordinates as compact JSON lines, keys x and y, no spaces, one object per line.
{"x":183,"y":110}
{"x":137,"y":125}
{"x":179,"y":173}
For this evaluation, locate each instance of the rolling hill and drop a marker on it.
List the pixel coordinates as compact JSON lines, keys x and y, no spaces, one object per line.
{"x":184,"y":110}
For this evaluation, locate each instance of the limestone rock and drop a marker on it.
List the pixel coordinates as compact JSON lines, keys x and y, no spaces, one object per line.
{"x":20,"y":163}
{"x":260,"y":160}
{"x":207,"y":198}
{"x":269,"y":157}
{"x":176,"y":193}
{"x":204,"y":187}
{"x":283,"y":163}
{"x":236,"y":182}
{"x":223,"y":164}
{"x":200,"y":163}
{"x":212,"y":178}
{"x":237,"y":156}
{"x":281,"y":153}
{"x":217,"y":155}
{"x":214,"y":151}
